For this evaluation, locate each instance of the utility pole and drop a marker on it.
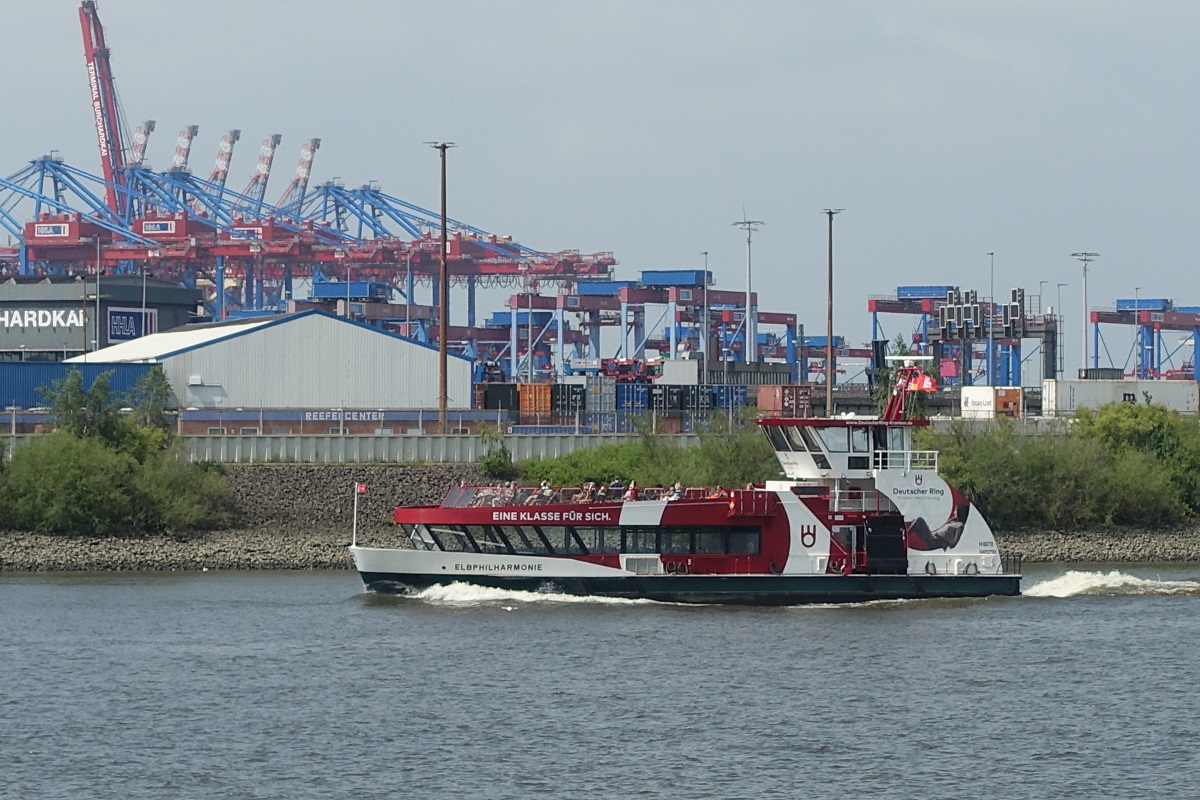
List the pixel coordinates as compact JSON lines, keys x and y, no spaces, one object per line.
{"x":750,"y":329}
{"x":1137,"y":333}
{"x":1085,"y":258}
{"x":1058,"y":329}
{"x":443,"y":297}
{"x":704,"y":326}
{"x":830,"y":212}
{"x":991,"y":348}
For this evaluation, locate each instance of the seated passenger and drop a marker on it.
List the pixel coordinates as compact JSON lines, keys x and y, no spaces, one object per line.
{"x":545,"y":493}
{"x":675,"y":492}
{"x":631,"y":493}
{"x":601,"y":494}
{"x":718,"y":493}
{"x":584,"y":494}
{"x":615,"y":484}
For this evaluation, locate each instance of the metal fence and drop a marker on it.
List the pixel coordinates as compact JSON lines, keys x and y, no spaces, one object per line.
{"x":375,"y":449}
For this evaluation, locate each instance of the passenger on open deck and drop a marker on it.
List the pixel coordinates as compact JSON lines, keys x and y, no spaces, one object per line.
{"x":584,"y":495}
{"x":631,"y":493}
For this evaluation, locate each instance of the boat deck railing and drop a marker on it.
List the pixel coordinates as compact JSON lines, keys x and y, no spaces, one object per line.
{"x":511,"y":495}
{"x":906,"y":460}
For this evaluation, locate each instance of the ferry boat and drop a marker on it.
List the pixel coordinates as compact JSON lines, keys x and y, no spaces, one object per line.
{"x":861,"y":516}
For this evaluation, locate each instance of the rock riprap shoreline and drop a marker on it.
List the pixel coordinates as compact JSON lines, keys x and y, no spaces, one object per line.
{"x":298,"y":516}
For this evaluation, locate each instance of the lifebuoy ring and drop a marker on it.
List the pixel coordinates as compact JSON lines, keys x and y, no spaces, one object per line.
{"x":930,"y":568}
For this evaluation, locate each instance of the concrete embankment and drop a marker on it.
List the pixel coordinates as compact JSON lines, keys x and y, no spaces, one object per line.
{"x":297,"y":516}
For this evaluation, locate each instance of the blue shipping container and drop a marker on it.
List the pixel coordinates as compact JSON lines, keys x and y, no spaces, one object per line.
{"x":674,"y":277}
{"x":601,"y":288}
{"x":732,"y":395}
{"x":20,"y":380}
{"x":819,"y":341}
{"x":356,"y":290}
{"x":923,"y":292}
{"x":1143,"y":304}
{"x":503,"y":319}
{"x":633,"y":396}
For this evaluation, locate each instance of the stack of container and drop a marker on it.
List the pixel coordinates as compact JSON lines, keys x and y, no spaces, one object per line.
{"x":727,"y":396}
{"x":566,"y":399}
{"x":500,"y":396}
{"x":794,"y":400}
{"x":536,"y":403}
{"x":633,"y":397}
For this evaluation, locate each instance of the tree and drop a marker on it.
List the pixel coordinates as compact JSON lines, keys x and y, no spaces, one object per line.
{"x":85,"y":413}
{"x":150,"y":398}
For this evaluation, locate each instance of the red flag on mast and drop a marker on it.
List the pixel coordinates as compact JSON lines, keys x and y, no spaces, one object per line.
{"x":361,"y":488}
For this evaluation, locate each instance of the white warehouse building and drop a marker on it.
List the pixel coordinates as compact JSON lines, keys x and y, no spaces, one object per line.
{"x":298,"y":361}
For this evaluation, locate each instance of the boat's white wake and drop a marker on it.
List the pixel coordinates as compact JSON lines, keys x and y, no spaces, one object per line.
{"x":465,"y":594}
{"x":1111,"y":583}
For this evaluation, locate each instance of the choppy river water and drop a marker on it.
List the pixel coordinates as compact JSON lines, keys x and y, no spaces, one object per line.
{"x":300,"y":685}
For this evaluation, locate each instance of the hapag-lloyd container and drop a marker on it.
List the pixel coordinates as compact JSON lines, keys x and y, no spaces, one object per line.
{"x":1062,"y":398}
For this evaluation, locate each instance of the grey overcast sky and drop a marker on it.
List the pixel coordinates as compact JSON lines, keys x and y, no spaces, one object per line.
{"x":945,"y":129}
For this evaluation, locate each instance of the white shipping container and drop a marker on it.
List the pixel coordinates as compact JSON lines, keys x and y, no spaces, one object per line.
{"x":1061,"y":398}
{"x":978,"y":402}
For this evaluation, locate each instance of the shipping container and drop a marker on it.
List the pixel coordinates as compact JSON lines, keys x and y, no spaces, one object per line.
{"x":547,"y":430}
{"x":601,"y":423}
{"x":535,"y":397}
{"x":633,"y":397}
{"x":566,"y":398}
{"x":696,"y":398}
{"x":730,"y":396}
{"x":1102,"y":374}
{"x":1143,"y":304}
{"x":674,"y":277}
{"x":924,"y":292}
{"x":796,"y":400}
{"x":501,"y":396}
{"x":988,"y":402}
{"x":1062,"y":398}
{"x":600,"y":397}
{"x":601,"y":288}
{"x":770,"y":400}
{"x":666,"y":398}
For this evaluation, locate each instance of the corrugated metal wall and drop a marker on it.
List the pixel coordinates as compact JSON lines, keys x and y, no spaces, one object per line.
{"x":19,"y":381}
{"x":315,"y":361}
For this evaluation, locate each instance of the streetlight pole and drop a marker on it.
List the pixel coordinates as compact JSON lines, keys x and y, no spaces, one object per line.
{"x":830,"y":212}
{"x":1137,"y":334}
{"x":704,"y":325}
{"x":96,"y":324}
{"x":991,"y":348}
{"x":1085,"y":258}
{"x":1058,"y":330}
{"x":748,"y":324}
{"x":443,"y":297}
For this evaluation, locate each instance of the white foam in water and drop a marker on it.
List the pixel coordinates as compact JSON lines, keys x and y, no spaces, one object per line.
{"x":1100,"y":583}
{"x":468,"y":594}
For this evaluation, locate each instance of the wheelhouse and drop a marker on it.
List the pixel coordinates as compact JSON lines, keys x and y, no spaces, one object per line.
{"x":851,"y":448}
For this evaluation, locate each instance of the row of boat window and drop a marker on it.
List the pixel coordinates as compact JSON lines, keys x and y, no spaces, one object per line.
{"x":586,"y":540}
{"x":801,"y":439}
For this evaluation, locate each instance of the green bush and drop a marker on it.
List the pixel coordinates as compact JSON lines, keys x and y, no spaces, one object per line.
{"x":728,"y":454}
{"x":102,"y":472}
{"x":1119,"y":464}
{"x":64,"y":484}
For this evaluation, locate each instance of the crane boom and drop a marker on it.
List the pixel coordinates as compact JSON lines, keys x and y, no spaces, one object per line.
{"x":256,"y":189}
{"x":183,"y":147}
{"x":293,"y":196}
{"x":137,"y":153}
{"x":220,"y":171}
{"x":106,"y":112}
